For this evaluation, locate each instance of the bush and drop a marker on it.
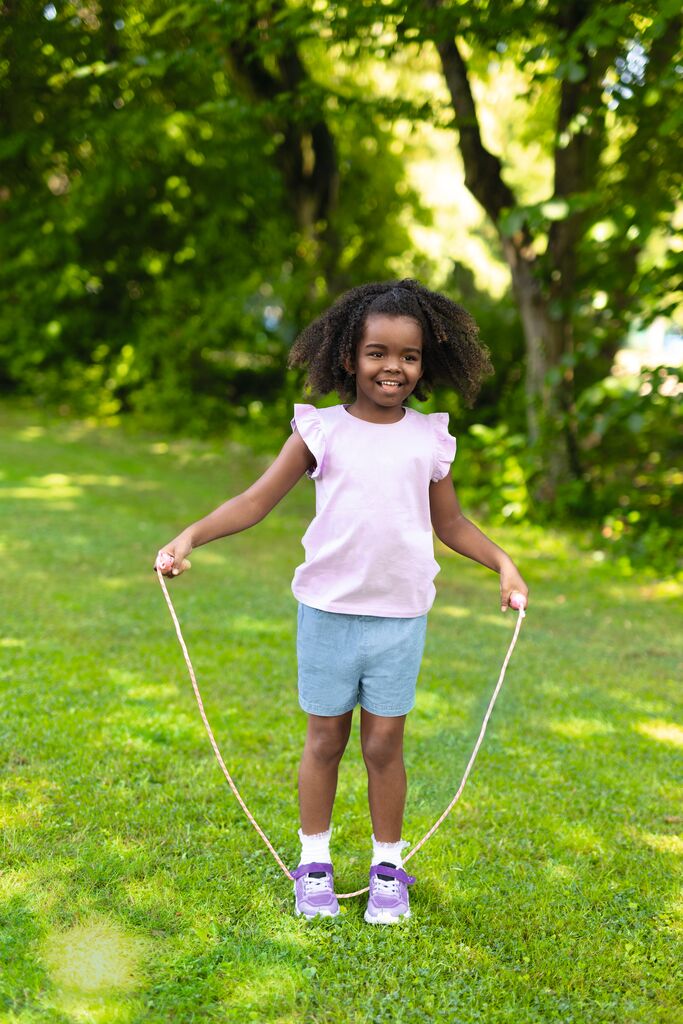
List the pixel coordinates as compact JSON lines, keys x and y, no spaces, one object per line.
{"x":629,"y":436}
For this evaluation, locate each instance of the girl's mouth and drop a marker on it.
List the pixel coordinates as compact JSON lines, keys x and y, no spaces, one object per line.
{"x":389,"y":386}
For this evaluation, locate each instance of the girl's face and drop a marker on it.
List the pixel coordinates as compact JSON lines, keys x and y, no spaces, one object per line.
{"x":388,"y":361}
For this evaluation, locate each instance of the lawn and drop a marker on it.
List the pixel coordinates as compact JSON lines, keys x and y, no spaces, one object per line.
{"x":133,"y":888}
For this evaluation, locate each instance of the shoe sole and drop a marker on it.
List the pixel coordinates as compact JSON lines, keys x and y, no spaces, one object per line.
{"x":385,"y":918}
{"x":319,"y":913}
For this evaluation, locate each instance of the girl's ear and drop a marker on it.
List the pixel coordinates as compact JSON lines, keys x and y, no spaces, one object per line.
{"x":348,"y":365}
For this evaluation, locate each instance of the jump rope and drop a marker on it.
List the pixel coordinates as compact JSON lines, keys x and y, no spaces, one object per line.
{"x":517,"y":601}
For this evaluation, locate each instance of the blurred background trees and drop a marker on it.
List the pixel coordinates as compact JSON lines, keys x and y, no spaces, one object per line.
{"x":183,"y":186}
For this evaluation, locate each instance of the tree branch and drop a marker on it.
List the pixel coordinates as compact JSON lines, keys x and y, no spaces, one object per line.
{"x":483,"y":170}
{"x":307,"y":154}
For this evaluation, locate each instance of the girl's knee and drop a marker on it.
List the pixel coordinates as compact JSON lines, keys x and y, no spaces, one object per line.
{"x":382,"y":750}
{"x":326,"y":739}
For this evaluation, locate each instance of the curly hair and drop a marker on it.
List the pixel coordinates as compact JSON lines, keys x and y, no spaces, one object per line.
{"x":452,"y":354}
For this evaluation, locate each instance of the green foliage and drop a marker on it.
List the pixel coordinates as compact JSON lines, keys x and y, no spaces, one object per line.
{"x":630,"y":494}
{"x":595,"y":197}
{"x":492,"y":473}
{"x":630,"y":444}
{"x":152,"y":262}
{"x":151,"y":259}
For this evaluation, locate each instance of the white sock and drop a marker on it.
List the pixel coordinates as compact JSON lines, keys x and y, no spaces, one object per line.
{"x":388,"y":852}
{"x":315,"y":848}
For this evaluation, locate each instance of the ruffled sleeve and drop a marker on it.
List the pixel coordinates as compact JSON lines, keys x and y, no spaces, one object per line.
{"x":307,"y":421}
{"x":444,"y":446}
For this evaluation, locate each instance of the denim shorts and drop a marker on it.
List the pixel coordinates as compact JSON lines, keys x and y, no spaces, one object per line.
{"x":345,"y":659}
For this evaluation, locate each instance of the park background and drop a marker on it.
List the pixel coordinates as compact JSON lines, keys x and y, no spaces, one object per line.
{"x":183,"y":187}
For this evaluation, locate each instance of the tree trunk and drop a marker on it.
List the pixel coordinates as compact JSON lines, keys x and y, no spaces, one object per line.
{"x":545,"y":304}
{"x":307,"y":155}
{"x":545,"y":338}
{"x":547,"y":405}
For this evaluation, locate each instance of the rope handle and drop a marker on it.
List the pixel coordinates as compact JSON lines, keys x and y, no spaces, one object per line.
{"x":515,"y":596}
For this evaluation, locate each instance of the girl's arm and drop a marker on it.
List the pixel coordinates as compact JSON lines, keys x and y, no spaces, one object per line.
{"x":461,"y":535}
{"x":245,"y":509}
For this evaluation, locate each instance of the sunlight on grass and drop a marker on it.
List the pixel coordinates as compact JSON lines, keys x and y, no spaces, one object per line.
{"x":30,"y":433}
{"x":13,"y":816}
{"x":578,"y":728}
{"x":260,"y":992}
{"x":452,"y":610}
{"x":124,"y":677}
{"x":55,"y":486}
{"x":211,"y":556}
{"x":11,"y":641}
{"x":662,"y":731}
{"x":561,"y":872}
{"x":632,"y":701}
{"x":672,"y":916}
{"x":663,"y":843}
{"x":152,"y":893}
{"x":580,"y":839}
{"x":79,"y":479}
{"x":14,"y":883}
{"x":552,"y":690}
{"x":114,"y":583}
{"x":47,"y":493}
{"x":95,"y":1009}
{"x":661,"y":589}
{"x":42,"y":887}
{"x":90,"y":965}
{"x":31,"y":808}
{"x":430,"y":702}
{"x":92,"y":956}
{"x":154,"y":691}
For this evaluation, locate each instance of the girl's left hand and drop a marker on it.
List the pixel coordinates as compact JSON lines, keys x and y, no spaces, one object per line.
{"x":510,"y":580}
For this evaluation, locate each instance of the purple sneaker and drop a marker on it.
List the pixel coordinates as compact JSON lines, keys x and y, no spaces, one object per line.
{"x":388,"y":902}
{"x":314,"y":891}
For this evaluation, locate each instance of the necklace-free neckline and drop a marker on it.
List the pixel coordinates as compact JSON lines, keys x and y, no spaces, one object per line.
{"x":372,"y":424}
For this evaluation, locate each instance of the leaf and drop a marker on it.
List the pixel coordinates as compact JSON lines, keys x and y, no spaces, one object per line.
{"x":535,"y":53}
{"x":513,"y":220}
{"x":555,"y":209}
{"x":13,"y":144}
{"x":161,"y":23}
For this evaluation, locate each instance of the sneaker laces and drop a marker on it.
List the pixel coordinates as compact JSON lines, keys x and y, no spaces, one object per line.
{"x":313,"y":884}
{"x":386,"y":887}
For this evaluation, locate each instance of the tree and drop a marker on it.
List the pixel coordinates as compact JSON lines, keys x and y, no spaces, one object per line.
{"x":169,"y":204}
{"x":604,"y":79}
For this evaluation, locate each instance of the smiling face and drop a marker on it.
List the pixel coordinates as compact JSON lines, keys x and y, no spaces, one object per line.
{"x":388,"y":362}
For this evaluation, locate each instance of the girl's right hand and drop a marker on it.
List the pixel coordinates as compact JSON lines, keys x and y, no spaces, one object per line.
{"x":176,"y":561}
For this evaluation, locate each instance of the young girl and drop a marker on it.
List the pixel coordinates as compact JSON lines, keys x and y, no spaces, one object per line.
{"x":383,"y":483}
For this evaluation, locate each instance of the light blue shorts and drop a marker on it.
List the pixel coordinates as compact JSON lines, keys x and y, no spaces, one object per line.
{"x":344,"y":660}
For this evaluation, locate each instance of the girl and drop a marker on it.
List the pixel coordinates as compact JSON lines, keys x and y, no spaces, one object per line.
{"x":383,"y":483}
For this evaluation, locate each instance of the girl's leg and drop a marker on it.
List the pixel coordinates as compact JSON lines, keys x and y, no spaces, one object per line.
{"x":382,"y":745}
{"x":326,"y":739}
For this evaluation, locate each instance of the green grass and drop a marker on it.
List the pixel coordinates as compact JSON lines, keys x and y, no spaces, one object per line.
{"x":133,"y":889}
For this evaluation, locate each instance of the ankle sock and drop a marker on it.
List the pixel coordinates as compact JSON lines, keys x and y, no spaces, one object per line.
{"x":388,"y":854}
{"x":315,"y":847}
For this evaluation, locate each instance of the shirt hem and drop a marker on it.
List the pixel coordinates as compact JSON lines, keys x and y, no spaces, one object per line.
{"x":346,"y":610}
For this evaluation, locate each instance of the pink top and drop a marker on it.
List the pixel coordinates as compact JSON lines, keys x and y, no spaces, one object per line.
{"x":370,"y":549}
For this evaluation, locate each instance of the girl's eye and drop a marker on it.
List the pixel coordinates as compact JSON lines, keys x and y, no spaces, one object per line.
{"x":412,"y":358}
